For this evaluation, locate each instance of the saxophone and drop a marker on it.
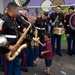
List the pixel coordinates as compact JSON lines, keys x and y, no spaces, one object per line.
{"x":12,"y":55}
{"x":36,"y":36}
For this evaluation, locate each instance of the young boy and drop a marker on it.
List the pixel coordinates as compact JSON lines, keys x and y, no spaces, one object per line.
{"x":47,"y":53}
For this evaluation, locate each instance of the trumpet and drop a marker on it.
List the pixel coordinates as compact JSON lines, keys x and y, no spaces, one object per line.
{"x":12,"y":55}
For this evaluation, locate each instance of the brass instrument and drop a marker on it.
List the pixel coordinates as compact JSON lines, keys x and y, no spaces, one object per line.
{"x":12,"y":55}
{"x":36,"y":36}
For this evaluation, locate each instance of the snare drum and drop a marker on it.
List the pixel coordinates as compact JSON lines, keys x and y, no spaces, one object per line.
{"x":59,"y":31}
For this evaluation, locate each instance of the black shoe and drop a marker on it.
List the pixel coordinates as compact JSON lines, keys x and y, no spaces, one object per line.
{"x":73,"y":53}
{"x":35,"y":58}
{"x":34,"y":65}
{"x":41,"y":57}
{"x":59,"y":54}
{"x":70,"y":54}
{"x":2,"y":69}
{"x":26,"y":70}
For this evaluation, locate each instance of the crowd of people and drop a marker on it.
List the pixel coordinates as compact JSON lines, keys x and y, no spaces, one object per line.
{"x":14,"y":22}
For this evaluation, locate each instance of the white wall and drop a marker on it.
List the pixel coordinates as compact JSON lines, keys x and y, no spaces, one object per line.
{"x":1,"y":6}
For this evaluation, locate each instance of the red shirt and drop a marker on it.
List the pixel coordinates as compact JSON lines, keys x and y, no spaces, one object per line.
{"x":48,"y":46}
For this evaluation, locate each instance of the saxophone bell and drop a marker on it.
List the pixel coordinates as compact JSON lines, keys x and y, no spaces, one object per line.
{"x":11,"y":55}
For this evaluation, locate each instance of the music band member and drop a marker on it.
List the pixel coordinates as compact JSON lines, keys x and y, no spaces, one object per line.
{"x":10,"y":30}
{"x":42,"y":26}
{"x":1,"y":55}
{"x":22,"y":13}
{"x":56,"y":20}
{"x":70,"y":33}
{"x":29,"y":51}
{"x":21,"y":26}
{"x":47,"y":52}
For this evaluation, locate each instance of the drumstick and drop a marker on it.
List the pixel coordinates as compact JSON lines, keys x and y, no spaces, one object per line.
{"x":56,"y":19}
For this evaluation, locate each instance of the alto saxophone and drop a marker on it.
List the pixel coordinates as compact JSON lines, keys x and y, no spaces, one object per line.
{"x":36,"y":36}
{"x":12,"y":55}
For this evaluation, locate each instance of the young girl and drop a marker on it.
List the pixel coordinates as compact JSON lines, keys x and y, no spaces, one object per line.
{"x":47,"y":53}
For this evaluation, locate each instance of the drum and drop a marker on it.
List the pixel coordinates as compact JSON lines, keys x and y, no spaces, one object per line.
{"x":72,"y":21}
{"x":59,"y":31}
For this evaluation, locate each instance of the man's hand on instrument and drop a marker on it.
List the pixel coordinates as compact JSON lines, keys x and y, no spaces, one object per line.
{"x":60,"y":24}
{"x":38,"y":41}
{"x":67,"y":35}
{"x":24,"y":29}
{"x":53,"y":24}
{"x":35,"y":39}
{"x":12,"y":48}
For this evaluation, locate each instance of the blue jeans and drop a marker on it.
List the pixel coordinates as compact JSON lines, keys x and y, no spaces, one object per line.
{"x":56,"y":39}
{"x":71,"y":44}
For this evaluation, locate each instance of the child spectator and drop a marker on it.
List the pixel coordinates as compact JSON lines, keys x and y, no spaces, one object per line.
{"x":47,"y":53}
